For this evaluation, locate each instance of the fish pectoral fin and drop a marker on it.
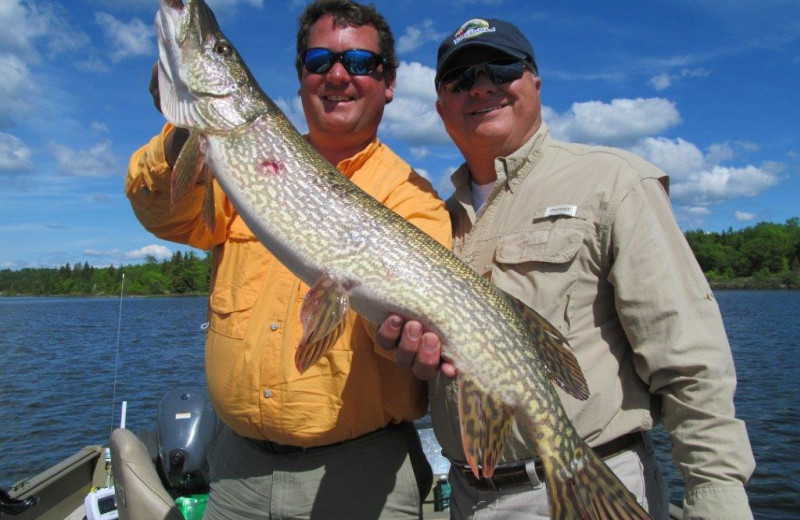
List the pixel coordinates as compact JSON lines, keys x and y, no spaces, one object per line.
{"x":324,"y":316}
{"x":209,"y":205}
{"x":485,"y":425}
{"x":560,"y":362}
{"x":187,"y":170}
{"x":191,"y":169}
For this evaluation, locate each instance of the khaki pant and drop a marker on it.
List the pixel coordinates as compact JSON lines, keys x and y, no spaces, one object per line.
{"x":371,"y":477}
{"x":636,"y":468}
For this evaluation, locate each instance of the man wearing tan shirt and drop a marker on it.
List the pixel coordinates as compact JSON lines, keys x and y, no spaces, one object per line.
{"x":336,"y":441}
{"x":584,"y":235}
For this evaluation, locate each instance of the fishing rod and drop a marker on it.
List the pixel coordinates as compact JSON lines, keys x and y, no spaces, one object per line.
{"x":116,"y":362}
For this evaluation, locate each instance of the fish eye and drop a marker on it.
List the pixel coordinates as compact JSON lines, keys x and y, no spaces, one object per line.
{"x":223,"y":48}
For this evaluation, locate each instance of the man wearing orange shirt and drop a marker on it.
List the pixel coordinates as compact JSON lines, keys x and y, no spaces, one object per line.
{"x":336,"y":441}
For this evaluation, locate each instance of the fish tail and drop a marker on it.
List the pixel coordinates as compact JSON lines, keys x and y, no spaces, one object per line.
{"x":585,"y":488}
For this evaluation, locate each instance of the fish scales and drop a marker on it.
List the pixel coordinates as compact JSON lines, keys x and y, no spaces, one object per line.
{"x":327,"y":231}
{"x":337,"y":238}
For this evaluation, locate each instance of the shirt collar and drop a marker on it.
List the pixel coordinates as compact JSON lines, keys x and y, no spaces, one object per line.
{"x":516,"y":166}
{"x":352,"y":164}
{"x":512,"y":168}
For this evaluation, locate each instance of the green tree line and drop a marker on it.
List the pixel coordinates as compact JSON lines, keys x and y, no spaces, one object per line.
{"x":766,"y":255}
{"x":183,"y":274}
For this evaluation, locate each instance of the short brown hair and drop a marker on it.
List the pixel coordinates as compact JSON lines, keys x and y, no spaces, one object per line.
{"x":347,"y":13}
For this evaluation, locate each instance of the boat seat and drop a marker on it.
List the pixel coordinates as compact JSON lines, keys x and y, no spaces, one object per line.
{"x":139,"y":491}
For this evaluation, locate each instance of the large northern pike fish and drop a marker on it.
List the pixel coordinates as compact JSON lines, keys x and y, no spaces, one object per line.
{"x":352,"y":251}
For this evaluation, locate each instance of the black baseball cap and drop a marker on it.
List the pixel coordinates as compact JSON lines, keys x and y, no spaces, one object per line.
{"x":485,"y":32}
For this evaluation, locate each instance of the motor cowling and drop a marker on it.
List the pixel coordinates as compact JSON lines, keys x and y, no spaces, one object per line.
{"x":185,"y":428}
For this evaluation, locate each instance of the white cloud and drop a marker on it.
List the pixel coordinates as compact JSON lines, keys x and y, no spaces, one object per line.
{"x":15,"y":156}
{"x":412,"y":115}
{"x":21,"y":25}
{"x":26,"y":24}
{"x":621,"y":122}
{"x":17,"y":89}
{"x":420,"y":152}
{"x":720,"y":183}
{"x":699,"y":211}
{"x":660,"y":82}
{"x":699,"y":179}
{"x":418,"y":35}
{"x":743,"y":216}
{"x":664,"y":81}
{"x":97,"y":161}
{"x":159,"y":252}
{"x":126,"y":40}
{"x":678,"y":158}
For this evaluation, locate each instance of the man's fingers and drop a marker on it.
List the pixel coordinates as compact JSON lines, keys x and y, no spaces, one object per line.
{"x":414,"y":350}
{"x":388,"y":333}
{"x":429,"y":355}
{"x":409,"y":344}
{"x":448,"y":369}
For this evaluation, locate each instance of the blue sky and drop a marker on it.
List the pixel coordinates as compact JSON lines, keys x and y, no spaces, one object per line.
{"x":706,"y":89}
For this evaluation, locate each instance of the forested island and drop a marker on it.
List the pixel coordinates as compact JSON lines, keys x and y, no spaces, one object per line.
{"x":764,"y":256}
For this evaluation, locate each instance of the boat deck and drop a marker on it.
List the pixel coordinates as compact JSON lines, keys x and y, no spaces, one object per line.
{"x":63,"y":488}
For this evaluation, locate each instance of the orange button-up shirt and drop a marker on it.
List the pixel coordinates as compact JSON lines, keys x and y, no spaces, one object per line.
{"x":254,"y":306}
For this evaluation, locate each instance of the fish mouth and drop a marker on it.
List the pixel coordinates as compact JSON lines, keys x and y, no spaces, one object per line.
{"x":180,"y":28}
{"x":179,"y":25}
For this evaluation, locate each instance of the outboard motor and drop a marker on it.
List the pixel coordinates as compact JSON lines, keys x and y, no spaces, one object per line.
{"x":185,"y":428}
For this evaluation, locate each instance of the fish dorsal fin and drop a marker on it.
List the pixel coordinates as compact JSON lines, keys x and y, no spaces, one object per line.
{"x":560,"y":362}
{"x":324,"y":316}
{"x":485,"y":424}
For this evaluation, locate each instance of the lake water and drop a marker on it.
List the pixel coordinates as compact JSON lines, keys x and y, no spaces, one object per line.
{"x":57,"y":380}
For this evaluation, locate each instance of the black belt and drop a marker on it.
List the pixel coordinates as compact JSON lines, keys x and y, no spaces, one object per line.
{"x":288,"y":449}
{"x":514,"y":475}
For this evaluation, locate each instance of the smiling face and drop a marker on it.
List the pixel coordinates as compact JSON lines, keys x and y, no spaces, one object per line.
{"x":488,"y":120}
{"x":342,"y":110}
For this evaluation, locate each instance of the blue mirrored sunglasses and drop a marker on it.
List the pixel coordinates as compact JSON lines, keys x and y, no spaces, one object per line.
{"x":357,"y":62}
{"x":499,"y":72}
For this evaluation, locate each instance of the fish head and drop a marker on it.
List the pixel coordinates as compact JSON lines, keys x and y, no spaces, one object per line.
{"x":204,"y":84}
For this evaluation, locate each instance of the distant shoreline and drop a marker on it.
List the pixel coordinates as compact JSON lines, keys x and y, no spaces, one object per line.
{"x":732,"y":285}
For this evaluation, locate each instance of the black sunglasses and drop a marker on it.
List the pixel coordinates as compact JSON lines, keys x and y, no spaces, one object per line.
{"x":357,"y":62}
{"x":499,"y":72}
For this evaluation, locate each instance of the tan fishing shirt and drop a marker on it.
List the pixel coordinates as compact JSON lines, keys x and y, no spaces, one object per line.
{"x":585,"y":235}
{"x":254,"y":312}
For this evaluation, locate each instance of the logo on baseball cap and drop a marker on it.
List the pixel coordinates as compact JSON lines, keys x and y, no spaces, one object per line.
{"x":479,"y":32}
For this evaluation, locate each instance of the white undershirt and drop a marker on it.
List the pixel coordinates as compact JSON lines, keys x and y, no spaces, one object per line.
{"x":480,"y":192}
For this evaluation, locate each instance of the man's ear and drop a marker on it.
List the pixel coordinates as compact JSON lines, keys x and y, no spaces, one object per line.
{"x":390,"y":84}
